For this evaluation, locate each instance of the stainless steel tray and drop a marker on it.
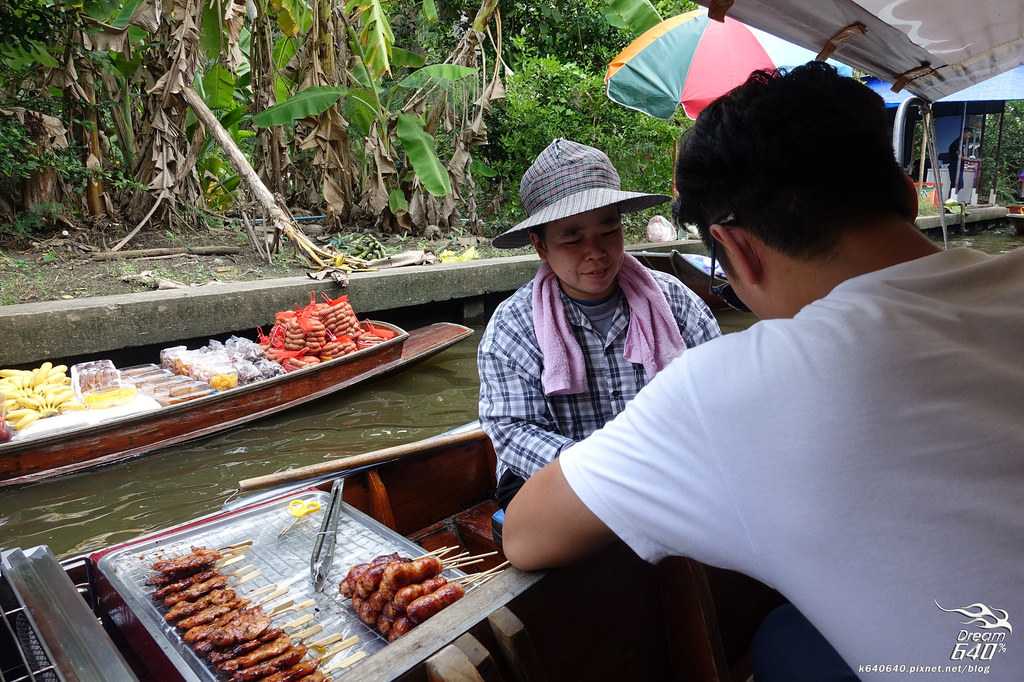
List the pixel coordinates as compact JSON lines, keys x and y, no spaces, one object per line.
{"x":281,"y":561}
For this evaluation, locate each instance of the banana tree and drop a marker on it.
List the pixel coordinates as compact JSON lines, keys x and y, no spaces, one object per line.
{"x":370,"y":112}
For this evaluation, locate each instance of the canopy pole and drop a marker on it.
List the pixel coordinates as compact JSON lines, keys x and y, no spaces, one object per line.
{"x":999,"y":151}
{"x":925,"y":122}
{"x":934,"y":154}
{"x":981,"y":156}
{"x":959,"y":155}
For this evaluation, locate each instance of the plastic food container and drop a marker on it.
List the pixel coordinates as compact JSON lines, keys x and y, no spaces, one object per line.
{"x":139,"y":370}
{"x":98,"y":384}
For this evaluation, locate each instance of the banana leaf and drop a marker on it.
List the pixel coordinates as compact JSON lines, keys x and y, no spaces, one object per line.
{"x":309,"y":102}
{"x":439,"y":73}
{"x":419,"y":148}
{"x":635,"y":16}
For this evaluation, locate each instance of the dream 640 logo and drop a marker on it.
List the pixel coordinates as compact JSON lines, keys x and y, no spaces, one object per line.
{"x":989,"y":638}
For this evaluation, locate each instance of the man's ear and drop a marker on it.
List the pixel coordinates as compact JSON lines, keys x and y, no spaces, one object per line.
{"x":742,"y":258}
{"x":538,"y":245}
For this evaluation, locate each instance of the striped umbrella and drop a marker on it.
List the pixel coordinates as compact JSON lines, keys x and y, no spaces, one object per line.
{"x":692,"y":60}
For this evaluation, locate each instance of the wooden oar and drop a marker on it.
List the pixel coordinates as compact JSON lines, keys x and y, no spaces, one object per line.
{"x":335,"y":466}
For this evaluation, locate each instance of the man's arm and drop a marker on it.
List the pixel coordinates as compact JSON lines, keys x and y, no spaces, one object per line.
{"x":547,"y":525}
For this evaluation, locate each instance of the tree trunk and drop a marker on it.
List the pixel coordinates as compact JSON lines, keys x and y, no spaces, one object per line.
{"x":91,"y":141}
{"x":281,"y":220}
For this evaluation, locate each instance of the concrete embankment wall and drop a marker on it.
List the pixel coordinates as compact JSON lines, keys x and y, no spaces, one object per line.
{"x":33,"y":332}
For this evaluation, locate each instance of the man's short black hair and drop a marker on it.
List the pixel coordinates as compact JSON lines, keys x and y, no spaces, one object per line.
{"x":796,"y":158}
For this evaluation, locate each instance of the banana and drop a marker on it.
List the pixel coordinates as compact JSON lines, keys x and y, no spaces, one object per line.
{"x":26,"y":420}
{"x":40,"y":373}
{"x":5,"y":373}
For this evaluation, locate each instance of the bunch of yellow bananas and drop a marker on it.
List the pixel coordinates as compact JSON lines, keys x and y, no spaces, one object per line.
{"x":33,"y":394}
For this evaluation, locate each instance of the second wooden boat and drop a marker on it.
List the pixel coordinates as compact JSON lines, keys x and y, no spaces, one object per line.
{"x":36,"y":459}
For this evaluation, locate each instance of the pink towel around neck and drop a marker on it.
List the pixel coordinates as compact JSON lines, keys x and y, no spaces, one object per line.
{"x":652,"y":338}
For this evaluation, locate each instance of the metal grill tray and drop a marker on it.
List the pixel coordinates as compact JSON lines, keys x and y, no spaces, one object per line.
{"x":281,"y":561}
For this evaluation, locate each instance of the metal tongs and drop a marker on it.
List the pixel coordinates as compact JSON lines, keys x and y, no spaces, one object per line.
{"x":326,"y":539}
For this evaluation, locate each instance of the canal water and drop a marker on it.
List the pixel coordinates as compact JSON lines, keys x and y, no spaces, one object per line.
{"x":82,"y":513}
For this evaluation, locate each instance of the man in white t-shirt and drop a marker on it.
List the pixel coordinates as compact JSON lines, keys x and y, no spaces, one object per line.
{"x":861,"y":449}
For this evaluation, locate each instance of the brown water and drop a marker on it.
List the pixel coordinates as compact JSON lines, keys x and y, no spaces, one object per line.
{"x":85,"y":512}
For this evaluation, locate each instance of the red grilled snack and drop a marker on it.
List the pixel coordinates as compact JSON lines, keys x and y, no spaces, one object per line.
{"x":401,"y":626}
{"x":366,"y":613}
{"x":198,"y":558}
{"x":283,"y":661}
{"x":180,"y":585}
{"x":263,"y":653}
{"x":315,"y":677}
{"x":223,"y":655}
{"x":201,"y":633}
{"x":196,"y":591}
{"x":398,"y":575}
{"x":429,"y":604}
{"x":211,"y":613}
{"x":411,"y":593}
{"x":370,"y":579}
{"x":300,"y":671}
{"x":184,"y":609}
{"x":385,"y":621}
{"x":348,"y":585}
{"x":249,"y":624}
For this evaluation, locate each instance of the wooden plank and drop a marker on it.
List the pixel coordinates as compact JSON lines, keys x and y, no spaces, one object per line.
{"x":480,"y":657}
{"x":413,"y":649}
{"x":450,"y":664}
{"x":516,"y":646}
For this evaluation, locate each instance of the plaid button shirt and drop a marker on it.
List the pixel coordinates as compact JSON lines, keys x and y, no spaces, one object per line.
{"x":530,"y":429}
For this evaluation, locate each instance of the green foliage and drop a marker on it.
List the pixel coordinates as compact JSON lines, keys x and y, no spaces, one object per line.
{"x":1011,"y":159}
{"x":219,"y":87}
{"x":309,"y":102}
{"x":25,"y":22}
{"x":37,"y":219}
{"x":442,"y":74}
{"x":636,"y":16}
{"x":419,"y":149}
{"x":375,"y":35}
{"x":548,"y":99}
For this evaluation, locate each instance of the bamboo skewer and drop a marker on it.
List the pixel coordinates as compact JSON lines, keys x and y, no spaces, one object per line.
{"x":238,"y":545}
{"x":249,"y":576}
{"x":224,"y":563}
{"x":439,"y":552}
{"x":261,"y":590}
{"x":276,"y":594}
{"x":309,"y":632}
{"x":278,"y":610}
{"x":298,"y":622}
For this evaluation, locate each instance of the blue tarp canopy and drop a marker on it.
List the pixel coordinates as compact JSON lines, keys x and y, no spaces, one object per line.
{"x":1005,"y":86}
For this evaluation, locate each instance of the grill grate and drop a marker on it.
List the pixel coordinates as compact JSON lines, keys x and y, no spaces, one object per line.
{"x":281,"y":561}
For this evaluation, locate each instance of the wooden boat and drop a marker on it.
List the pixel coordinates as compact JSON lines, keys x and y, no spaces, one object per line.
{"x":696,"y":280}
{"x":121,"y":439}
{"x":613,"y":617}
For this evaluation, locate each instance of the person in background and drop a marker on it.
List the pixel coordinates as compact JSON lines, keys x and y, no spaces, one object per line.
{"x":567,"y":351}
{"x":861,"y":449}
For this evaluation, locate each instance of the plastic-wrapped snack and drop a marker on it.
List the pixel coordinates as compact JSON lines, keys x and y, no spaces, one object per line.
{"x":138,"y":370}
{"x":169,"y":356}
{"x":98,"y":384}
{"x":248,"y":350}
{"x":247,"y":372}
{"x":268,"y":368}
